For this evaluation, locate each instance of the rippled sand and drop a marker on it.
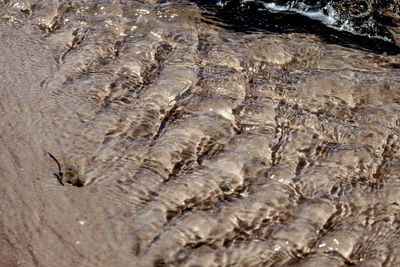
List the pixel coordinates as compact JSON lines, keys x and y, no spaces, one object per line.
{"x":197,"y":145}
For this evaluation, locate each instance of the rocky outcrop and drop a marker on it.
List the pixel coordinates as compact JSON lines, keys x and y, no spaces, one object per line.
{"x":364,"y":17}
{"x":370,"y":18}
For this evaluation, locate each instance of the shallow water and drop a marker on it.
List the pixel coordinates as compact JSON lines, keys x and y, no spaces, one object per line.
{"x":198,"y":145}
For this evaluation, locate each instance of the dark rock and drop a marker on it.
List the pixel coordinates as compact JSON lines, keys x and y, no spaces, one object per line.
{"x":370,"y":19}
{"x":364,"y":17}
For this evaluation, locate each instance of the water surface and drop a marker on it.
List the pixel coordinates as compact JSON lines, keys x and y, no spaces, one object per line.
{"x":198,"y":145}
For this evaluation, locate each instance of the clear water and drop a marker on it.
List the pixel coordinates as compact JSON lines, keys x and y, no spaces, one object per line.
{"x":198,"y":145}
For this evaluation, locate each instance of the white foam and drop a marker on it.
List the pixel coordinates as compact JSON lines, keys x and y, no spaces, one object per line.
{"x":329,"y":20}
{"x":220,"y":3}
{"x":317,"y":15}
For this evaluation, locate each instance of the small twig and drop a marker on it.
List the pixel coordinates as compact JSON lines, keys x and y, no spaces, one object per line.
{"x":58,"y":164}
{"x":58,"y":175}
{"x":59,"y":178}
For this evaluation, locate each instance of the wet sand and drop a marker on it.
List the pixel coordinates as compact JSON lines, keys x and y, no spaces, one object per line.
{"x":197,"y":145}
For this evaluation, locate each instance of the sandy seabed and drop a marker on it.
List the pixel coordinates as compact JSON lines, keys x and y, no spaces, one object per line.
{"x":197,"y":145}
